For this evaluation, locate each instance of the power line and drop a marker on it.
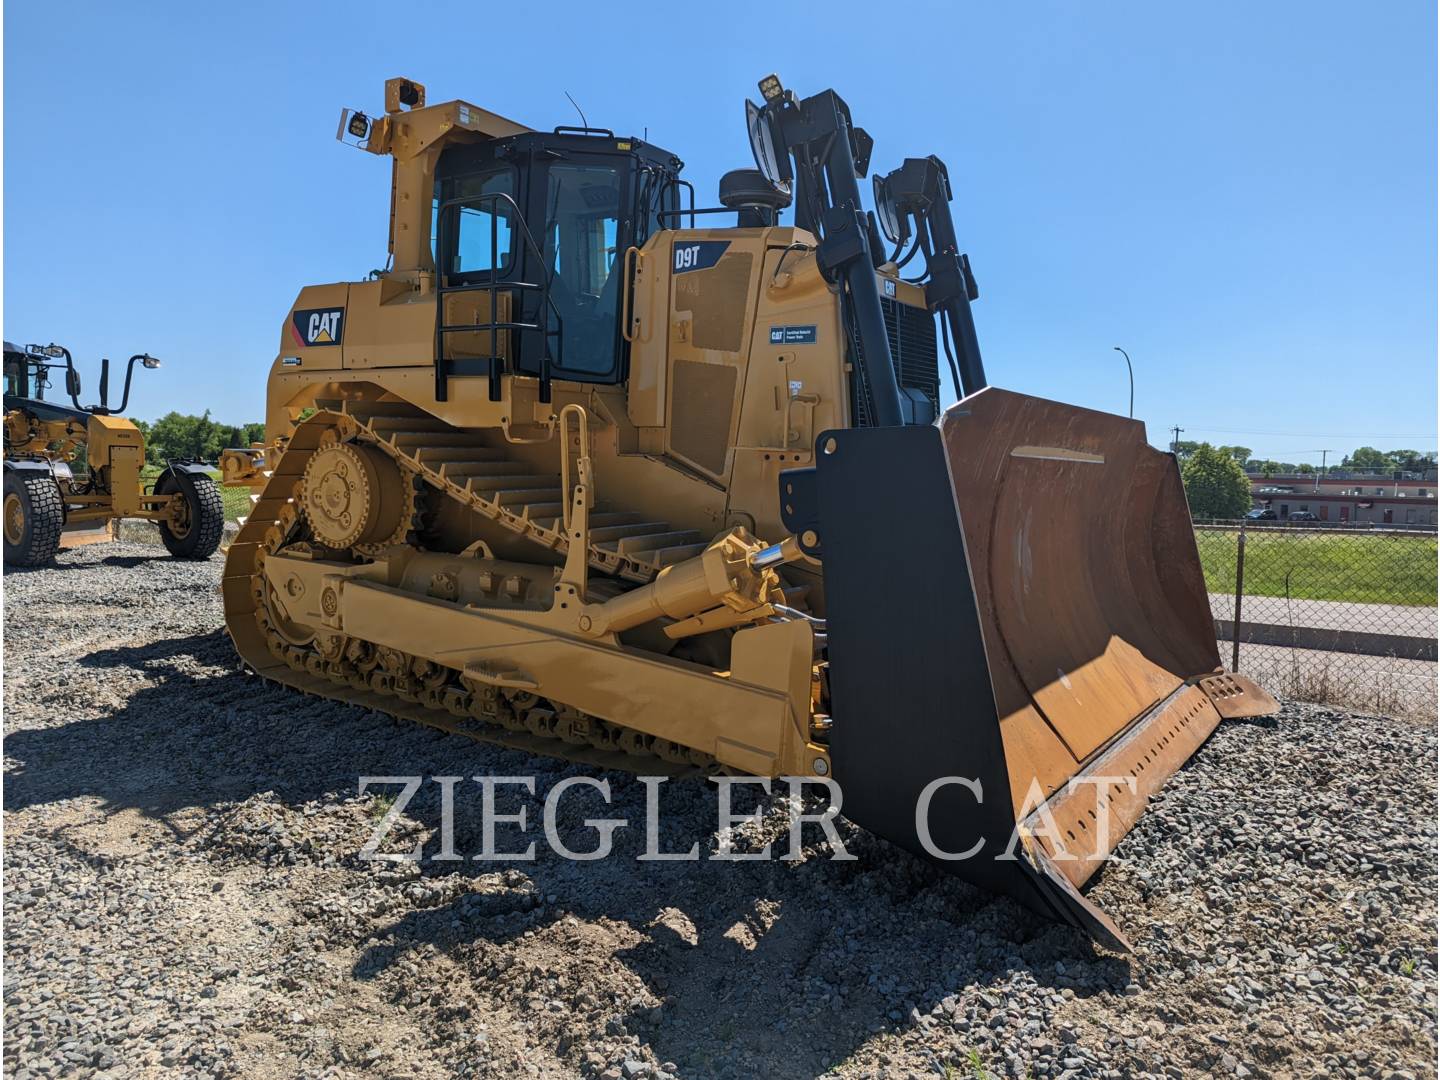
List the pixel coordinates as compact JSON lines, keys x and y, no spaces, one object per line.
{"x":1325,"y":434}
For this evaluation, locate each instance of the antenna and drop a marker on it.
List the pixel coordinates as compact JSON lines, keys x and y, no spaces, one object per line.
{"x":583,"y":122}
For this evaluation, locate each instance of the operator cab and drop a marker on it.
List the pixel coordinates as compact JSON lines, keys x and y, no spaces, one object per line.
{"x":26,"y":375}
{"x":529,"y":237}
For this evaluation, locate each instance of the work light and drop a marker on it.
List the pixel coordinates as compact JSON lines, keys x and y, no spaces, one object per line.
{"x":886,"y":213}
{"x":774,"y":166}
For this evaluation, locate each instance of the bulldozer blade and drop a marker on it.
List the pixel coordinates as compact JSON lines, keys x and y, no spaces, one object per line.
{"x":83,"y":533}
{"x":1021,"y":647}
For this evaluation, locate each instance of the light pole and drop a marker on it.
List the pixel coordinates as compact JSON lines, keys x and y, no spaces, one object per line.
{"x":1131,"y":369}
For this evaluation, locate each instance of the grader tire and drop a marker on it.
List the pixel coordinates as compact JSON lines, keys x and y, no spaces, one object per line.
{"x":33,"y":517}
{"x":196,"y":535}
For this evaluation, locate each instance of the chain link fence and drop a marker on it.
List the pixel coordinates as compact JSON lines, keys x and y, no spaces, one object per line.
{"x":1338,"y":614}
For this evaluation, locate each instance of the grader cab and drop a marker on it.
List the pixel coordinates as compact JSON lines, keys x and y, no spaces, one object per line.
{"x":73,"y":471}
{"x":597,"y":472}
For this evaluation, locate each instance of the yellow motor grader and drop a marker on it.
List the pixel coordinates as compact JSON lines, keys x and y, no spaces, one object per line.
{"x":72,"y":471}
{"x":594,"y":472}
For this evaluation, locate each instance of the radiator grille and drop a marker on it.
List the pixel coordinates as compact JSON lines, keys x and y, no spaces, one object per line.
{"x":913,"y":352}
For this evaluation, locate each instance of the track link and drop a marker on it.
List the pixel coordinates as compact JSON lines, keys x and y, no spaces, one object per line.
{"x":459,"y":466}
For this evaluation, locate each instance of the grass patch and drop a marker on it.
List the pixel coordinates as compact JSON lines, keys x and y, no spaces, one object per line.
{"x":380,"y":806}
{"x":236,"y":499}
{"x":1361,"y":568}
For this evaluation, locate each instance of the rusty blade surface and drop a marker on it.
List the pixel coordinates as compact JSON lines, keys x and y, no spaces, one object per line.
{"x":1235,"y":696}
{"x":1016,"y":619}
{"x":1088,"y":582}
{"x":1081,"y":824}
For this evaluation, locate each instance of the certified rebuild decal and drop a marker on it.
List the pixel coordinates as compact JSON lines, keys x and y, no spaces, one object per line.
{"x":793,"y":335}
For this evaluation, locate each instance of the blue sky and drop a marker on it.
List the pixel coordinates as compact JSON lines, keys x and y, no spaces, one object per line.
{"x":1243,"y":195}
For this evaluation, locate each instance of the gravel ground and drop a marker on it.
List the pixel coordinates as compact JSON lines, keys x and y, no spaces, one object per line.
{"x":183,"y":894}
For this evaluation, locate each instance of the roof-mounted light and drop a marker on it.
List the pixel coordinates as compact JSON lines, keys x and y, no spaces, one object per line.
{"x":354,"y":128}
{"x":770,"y":88}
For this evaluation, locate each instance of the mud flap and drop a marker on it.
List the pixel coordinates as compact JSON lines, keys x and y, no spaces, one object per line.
{"x":1011,"y":618}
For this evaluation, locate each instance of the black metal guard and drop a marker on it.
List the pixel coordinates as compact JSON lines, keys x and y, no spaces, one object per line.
{"x":920,"y":188}
{"x":676,"y":183}
{"x":72,"y":383}
{"x":828,"y":153}
{"x":661,"y":215}
{"x":498,"y":365}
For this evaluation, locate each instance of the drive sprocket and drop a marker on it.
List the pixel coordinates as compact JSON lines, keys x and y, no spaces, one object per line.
{"x":355,"y":496}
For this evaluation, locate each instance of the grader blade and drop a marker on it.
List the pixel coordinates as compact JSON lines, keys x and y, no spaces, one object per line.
{"x":1021,"y":646}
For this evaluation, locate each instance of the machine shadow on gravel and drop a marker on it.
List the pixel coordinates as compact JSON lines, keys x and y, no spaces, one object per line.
{"x":720,"y":942}
{"x":73,"y":565}
{"x":721,"y":947}
{"x":193,"y":740}
{"x":129,"y":562}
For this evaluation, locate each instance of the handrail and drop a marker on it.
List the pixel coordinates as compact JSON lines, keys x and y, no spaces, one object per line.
{"x":628,"y":268}
{"x":582,"y":423}
{"x":661,"y":215}
{"x":497,"y":363}
{"x":568,"y":129}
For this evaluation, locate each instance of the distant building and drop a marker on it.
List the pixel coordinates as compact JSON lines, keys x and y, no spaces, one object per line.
{"x":1351,"y":495}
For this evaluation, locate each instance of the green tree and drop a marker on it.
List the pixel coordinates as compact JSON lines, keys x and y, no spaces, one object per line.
{"x":1239,"y":453}
{"x":177,"y":435}
{"x":1268,"y":468}
{"x":1215,"y":484}
{"x":1366,"y":457}
{"x":1412,"y":460}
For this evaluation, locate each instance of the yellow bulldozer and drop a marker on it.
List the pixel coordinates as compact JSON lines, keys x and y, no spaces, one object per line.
{"x":73,"y":471}
{"x":594,"y":472}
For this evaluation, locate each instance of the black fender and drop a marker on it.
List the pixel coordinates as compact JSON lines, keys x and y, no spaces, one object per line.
{"x":26,"y":465}
{"x":177,"y":477}
{"x":196,"y":468}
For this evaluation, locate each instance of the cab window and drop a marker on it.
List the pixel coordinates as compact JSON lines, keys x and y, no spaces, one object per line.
{"x":479,"y":234}
{"x":582,"y":228}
